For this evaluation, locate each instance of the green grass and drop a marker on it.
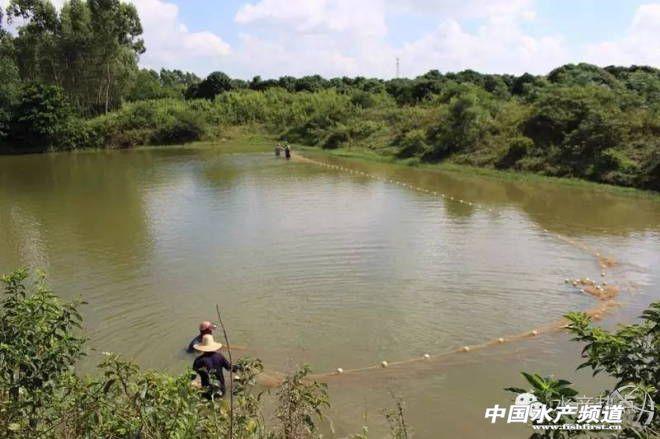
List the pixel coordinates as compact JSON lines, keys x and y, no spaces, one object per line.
{"x":367,"y":155}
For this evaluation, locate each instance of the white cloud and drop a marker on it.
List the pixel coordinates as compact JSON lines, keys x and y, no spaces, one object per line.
{"x":460,"y":9}
{"x":499,"y":46}
{"x":365,"y":18}
{"x":274,"y":58}
{"x":169,"y":42}
{"x":299,"y":37}
{"x":640,"y":45}
{"x":338,"y":37}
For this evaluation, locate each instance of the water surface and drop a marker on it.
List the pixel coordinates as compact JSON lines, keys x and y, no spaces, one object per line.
{"x":316,"y":265}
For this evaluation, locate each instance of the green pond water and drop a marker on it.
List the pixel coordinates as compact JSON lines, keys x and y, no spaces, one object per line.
{"x":319,"y":266}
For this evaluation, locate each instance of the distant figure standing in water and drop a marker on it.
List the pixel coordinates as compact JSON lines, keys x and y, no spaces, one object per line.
{"x":210,"y":364}
{"x":278,"y":150}
{"x":205,"y":328}
{"x":287,"y":152}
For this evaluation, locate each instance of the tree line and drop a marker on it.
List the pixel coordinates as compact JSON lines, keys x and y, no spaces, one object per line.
{"x":69,"y":78}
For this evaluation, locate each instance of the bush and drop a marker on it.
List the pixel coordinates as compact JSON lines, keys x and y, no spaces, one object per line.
{"x":299,"y":401}
{"x":518,"y":148}
{"x":465,"y":125}
{"x":336,"y":139}
{"x":165,"y":121}
{"x":38,"y":349}
{"x":629,"y":355}
{"x":42,"y":118}
{"x":181,"y":128}
{"x":411,"y":143}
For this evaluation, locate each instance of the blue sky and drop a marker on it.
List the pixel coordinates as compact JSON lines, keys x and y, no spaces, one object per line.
{"x":364,"y":37}
{"x":579,"y":21}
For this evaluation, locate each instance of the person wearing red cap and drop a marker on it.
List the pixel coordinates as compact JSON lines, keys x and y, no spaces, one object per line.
{"x":205,"y":327}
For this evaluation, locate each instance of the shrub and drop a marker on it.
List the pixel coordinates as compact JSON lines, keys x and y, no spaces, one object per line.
{"x":38,"y":349}
{"x":164,"y":121}
{"x":43,"y":118}
{"x":336,"y":139}
{"x":299,"y":401}
{"x":629,"y":355}
{"x":411,"y":143}
{"x":518,"y":148}
{"x":181,"y":128}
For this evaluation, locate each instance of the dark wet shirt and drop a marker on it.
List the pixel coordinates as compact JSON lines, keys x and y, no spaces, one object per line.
{"x":193,"y":342}
{"x":211,"y":364}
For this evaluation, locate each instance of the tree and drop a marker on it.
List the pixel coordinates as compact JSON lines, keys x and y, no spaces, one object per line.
{"x":575,"y":125}
{"x":209,"y":88}
{"x":177,"y":78}
{"x":467,"y":121}
{"x":582,"y":74}
{"x":523,"y":83}
{"x":9,"y":81}
{"x":117,"y":44}
{"x":147,"y":85}
{"x":287,"y":82}
{"x":43,"y":119}
{"x":401,"y":90}
{"x":310,"y":83}
{"x":89,"y":48}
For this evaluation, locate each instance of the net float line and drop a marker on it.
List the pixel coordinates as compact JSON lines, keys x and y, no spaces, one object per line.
{"x":596,"y":313}
{"x":272,"y":379}
{"x":604,"y":293}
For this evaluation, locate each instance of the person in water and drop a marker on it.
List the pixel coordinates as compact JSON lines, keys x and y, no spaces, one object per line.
{"x":205,"y":328}
{"x":287,"y":152}
{"x":210,"y":365}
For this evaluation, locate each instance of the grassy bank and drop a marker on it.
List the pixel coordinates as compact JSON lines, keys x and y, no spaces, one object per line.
{"x":367,"y":155}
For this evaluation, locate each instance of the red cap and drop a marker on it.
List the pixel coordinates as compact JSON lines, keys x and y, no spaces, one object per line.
{"x":206,"y":326}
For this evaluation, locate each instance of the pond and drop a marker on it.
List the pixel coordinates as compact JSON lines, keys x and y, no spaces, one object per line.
{"x":333,"y":263}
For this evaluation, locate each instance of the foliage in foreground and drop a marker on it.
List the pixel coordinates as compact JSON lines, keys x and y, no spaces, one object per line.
{"x":630,"y":355}
{"x":42,"y":396}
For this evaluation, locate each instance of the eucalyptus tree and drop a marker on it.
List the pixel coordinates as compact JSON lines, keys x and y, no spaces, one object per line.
{"x":116,"y":45}
{"x":90,"y":48}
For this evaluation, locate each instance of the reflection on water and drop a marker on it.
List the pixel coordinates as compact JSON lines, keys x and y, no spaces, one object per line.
{"x":314,"y":265}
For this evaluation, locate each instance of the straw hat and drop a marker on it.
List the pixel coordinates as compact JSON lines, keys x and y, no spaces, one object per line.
{"x":207,"y":344}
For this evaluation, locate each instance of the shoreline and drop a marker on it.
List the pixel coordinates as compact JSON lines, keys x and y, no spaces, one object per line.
{"x":368,"y":156}
{"x":261,"y":141}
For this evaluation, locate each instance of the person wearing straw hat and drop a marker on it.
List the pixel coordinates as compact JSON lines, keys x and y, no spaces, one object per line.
{"x":210,"y":364}
{"x":205,"y":327}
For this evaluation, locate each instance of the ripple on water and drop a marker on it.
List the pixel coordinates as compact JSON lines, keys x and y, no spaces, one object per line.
{"x":313,"y":264}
